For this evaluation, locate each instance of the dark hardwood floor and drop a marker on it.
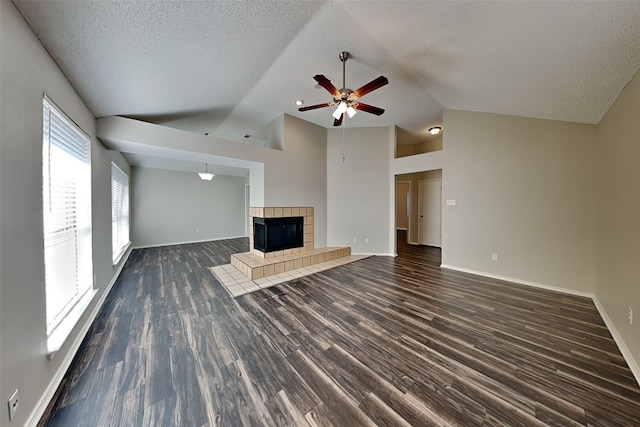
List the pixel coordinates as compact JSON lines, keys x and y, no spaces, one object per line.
{"x":381,"y":341}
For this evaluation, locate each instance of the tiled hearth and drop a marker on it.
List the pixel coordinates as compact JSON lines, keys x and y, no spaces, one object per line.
{"x":238,"y":284}
{"x":256,"y":268}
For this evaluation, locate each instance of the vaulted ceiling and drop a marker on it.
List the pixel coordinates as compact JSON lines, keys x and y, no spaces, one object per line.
{"x":229,"y":67}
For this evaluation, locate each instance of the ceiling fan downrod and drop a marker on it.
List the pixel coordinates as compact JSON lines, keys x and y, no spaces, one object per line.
{"x":343,"y":57}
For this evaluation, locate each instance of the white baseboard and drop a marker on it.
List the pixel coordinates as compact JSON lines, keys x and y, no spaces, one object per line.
{"x":159,"y":245}
{"x":401,"y":228}
{"x":520,"y":281}
{"x":622,"y":346}
{"x":51,"y":389}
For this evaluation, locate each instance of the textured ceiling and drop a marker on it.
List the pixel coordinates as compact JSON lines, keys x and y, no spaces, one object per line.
{"x":228,"y":68}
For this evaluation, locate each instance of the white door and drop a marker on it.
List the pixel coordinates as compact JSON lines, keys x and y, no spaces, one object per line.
{"x":429,"y":211}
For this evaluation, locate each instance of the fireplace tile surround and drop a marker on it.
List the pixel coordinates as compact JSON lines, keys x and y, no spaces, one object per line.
{"x":256,"y":264}
{"x":282,"y":212}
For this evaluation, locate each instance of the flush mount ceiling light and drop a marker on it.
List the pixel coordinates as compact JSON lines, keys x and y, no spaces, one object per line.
{"x":206,"y":176}
{"x":299,"y":101}
{"x":345,"y":98}
{"x":435,"y":130}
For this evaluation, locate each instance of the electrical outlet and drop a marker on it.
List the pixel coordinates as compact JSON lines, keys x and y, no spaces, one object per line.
{"x":494,"y":257}
{"x":630,"y":315}
{"x":14,"y":404}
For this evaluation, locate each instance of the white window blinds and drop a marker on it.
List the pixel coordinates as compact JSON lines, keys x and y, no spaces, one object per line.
{"x":119,"y":211}
{"x":66,"y":168}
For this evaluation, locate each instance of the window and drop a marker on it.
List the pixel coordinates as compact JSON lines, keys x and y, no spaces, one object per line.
{"x":66,"y":194}
{"x":119,"y":212}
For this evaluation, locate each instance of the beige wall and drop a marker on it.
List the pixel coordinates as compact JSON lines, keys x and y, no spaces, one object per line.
{"x":27,"y":73}
{"x":524,"y":190}
{"x":169,"y":207}
{"x":359,"y":190}
{"x":431,"y":144}
{"x":295,"y":176}
{"x":618,"y":219}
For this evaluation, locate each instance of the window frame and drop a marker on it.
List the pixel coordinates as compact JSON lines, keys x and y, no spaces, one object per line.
{"x":119,"y":206}
{"x":67,"y":223}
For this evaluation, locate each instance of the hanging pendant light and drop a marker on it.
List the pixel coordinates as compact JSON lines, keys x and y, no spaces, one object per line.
{"x":206,"y":176}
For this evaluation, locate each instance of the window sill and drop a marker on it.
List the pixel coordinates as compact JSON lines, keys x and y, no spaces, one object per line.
{"x":123,"y":251}
{"x":63,"y":330}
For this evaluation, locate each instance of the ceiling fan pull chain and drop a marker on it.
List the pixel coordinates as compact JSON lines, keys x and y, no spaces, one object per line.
{"x":344,"y":125}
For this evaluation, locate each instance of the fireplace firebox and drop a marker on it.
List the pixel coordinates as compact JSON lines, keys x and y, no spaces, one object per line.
{"x":276,"y":234}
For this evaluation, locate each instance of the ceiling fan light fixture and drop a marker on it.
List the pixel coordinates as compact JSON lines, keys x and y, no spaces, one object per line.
{"x":206,"y":176}
{"x":435,"y":130}
{"x":351,"y":111}
{"x":342,"y":107}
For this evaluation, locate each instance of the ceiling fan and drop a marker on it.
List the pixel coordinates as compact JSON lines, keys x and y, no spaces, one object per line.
{"x":345,"y":98}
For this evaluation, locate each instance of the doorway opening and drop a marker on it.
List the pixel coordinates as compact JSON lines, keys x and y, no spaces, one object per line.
{"x":418,"y":199}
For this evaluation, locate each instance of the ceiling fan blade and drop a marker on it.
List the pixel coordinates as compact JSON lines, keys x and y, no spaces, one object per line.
{"x":371,"y":86}
{"x":313,"y":107}
{"x":368,"y":108}
{"x":338,"y":122}
{"x":326,"y":83}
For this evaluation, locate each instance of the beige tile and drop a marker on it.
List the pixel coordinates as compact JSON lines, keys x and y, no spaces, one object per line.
{"x":295,"y":211}
{"x":289,"y":265}
{"x":297,"y":263}
{"x":310,"y":211}
{"x":306,"y":261}
{"x":314,"y":259}
{"x":308,"y":220}
{"x":252,"y":287}
{"x":286,"y":252}
{"x":268,"y":212}
{"x":269,"y":270}
{"x":260,"y":212}
{"x":257,"y":273}
{"x":278,"y":268}
{"x":308,"y":237}
{"x":286,"y":212}
{"x":277,"y":212}
{"x":262,"y":281}
{"x":303,"y":211}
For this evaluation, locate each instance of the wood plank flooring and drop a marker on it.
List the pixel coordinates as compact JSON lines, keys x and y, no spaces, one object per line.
{"x":382,"y":341}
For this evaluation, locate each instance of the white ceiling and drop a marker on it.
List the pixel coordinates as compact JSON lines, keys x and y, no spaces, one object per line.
{"x":230,"y":67}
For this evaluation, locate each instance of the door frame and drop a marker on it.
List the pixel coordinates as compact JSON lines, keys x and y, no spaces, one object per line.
{"x":409,"y":207}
